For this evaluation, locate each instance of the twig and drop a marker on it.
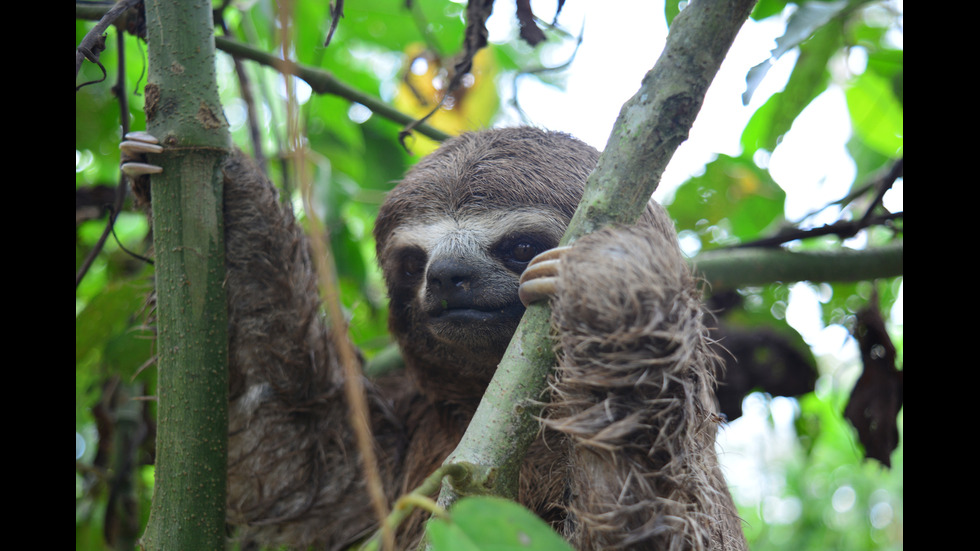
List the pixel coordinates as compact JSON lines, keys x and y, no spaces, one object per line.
{"x":842,"y":228}
{"x":538,"y":70}
{"x":244,"y":85}
{"x":92,"y":45}
{"x":336,"y":12}
{"x":323,"y":82}
{"x":123,"y":185}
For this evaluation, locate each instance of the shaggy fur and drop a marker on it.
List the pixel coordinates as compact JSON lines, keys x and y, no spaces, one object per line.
{"x":633,"y":393}
{"x":625,"y":459}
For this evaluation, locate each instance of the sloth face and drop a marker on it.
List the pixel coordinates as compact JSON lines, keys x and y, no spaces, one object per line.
{"x":455,"y":279}
{"x":454,"y":236}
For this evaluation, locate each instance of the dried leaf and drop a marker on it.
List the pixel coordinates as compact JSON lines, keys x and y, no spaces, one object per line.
{"x":529,"y":29}
{"x":878,"y":394}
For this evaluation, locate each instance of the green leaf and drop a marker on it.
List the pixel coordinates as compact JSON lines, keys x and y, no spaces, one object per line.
{"x":876,"y":114}
{"x":106,"y":316}
{"x":808,"y":80}
{"x":491,"y":523}
{"x":767,"y":8}
{"x":734,"y":200}
{"x":671,"y":9}
{"x":803,"y":24}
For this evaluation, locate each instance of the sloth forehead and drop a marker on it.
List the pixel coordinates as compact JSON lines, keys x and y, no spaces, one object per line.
{"x":482,"y":229}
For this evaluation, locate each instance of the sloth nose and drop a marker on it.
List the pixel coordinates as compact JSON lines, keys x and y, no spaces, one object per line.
{"x":452,"y":281}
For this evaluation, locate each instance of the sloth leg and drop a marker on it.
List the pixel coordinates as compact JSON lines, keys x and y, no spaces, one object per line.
{"x":633,"y":394}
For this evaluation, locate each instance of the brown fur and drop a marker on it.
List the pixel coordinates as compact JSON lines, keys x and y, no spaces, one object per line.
{"x":625,"y":459}
{"x":634,"y":393}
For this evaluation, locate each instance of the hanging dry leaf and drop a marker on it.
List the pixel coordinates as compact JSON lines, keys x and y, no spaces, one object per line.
{"x":877,"y":395}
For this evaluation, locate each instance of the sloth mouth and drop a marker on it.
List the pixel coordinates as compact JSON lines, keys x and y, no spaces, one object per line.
{"x":469,"y":315}
{"x":475,"y":330}
{"x":443,"y":314}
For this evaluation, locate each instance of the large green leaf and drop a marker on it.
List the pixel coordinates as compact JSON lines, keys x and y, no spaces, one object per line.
{"x":876,"y":114}
{"x":490,"y":523}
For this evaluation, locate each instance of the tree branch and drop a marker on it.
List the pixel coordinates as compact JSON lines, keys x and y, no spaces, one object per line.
{"x":844,"y":229}
{"x":323,"y":82}
{"x":728,"y":268}
{"x":184,"y":111}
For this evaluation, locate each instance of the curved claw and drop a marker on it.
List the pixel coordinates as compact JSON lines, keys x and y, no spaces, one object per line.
{"x":538,"y":280}
{"x":134,"y":147}
{"x":142,"y":136}
{"x":139,"y":169}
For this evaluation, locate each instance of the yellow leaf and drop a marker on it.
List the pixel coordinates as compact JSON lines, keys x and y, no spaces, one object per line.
{"x":423,"y":85}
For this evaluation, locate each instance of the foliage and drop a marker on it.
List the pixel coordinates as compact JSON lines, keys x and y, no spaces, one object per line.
{"x":476,"y":523}
{"x":816,"y":490}
{"x":847,"y":47}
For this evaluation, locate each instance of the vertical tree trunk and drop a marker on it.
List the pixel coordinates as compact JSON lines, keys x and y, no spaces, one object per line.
{"x":183,"y":110}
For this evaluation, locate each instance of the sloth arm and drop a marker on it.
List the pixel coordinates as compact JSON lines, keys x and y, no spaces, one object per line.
{"x":293,"y":472}
{"x":633,"y":394}
{"x":294,"y":475}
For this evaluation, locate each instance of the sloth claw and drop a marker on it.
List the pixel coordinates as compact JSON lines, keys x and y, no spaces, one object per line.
{"x":134,"y":147}
{"x":538,"y":280}
{"x":139,"y":169}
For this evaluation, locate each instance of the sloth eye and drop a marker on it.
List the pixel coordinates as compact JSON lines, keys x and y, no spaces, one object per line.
{"x":411,"y":263}
{"x":517,"y":251}
{"x":413,"y":266}
{"x":524,"y":252}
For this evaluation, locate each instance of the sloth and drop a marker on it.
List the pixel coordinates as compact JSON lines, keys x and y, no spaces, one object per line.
{"x":625,"y":457}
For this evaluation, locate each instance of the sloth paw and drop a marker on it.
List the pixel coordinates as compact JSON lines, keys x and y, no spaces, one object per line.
{"x":134,"y":149}
{"x":538,"y":280}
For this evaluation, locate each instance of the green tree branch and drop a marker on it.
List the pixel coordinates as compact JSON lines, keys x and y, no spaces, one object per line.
{"x":183,"y":110}
{"x":728,"y":268}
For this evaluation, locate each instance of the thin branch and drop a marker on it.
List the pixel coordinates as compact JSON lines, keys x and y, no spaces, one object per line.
{"x":323,"y":82}
{"x":93,"y":43}
{"x":885,"y":180}
{"x":475,"y":38}
{"x":515,"y":103}
{"x":843,"y":229}
{"x":336,"y":12}
{"x":245,"y":87}
{"x":123,"y":185}
{"x":882,"y":186}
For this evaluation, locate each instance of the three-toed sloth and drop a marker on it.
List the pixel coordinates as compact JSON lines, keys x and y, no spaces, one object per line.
{"x":625,"y":457}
